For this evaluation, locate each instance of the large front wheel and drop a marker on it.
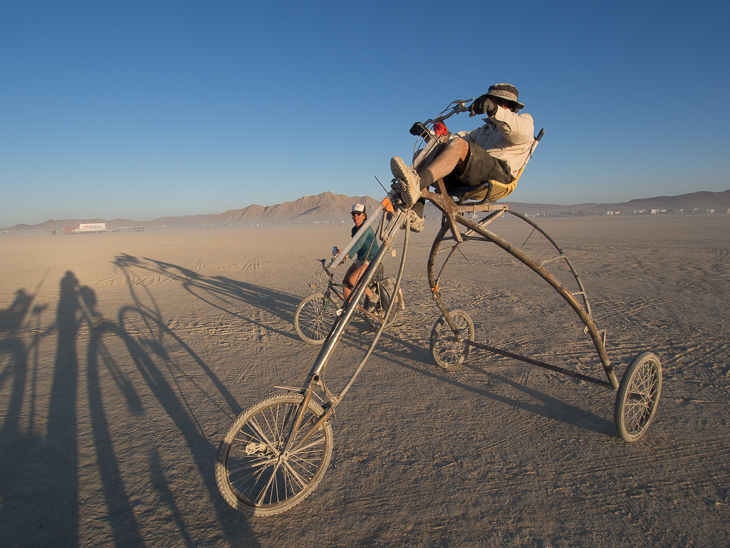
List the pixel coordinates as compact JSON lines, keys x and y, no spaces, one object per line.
{"x":266,"y":463}
{"x":638,"y":396}
{"x":314,"y":318}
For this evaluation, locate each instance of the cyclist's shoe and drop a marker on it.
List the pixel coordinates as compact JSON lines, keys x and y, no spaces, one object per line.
{"x":371,"y":302}
{"x":409,"y":183}
{"x":417,"y":223}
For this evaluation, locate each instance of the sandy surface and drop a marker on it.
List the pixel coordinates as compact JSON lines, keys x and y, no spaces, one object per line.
{"x":125,"y":357}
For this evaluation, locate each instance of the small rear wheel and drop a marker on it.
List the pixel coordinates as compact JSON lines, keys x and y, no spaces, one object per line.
{"x":638,"y":396}
{"x":314,"y":318}
{"x":265,"y":466}
{"x":446,"y":349}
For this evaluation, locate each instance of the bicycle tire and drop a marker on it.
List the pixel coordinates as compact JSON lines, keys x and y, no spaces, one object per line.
{"x":445,"y":349}
{"x":254,"y":475}
{"x":314,"y":317}
{"x":638,"y":396}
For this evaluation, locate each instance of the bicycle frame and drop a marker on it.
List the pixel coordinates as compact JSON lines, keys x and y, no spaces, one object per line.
{"x":284,"y":452}
{"x":332,"y":288}
{"x":582,"y":310}
{"x":315,"y":376}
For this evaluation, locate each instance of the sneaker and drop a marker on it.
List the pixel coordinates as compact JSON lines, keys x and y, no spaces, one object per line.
{"x":410,"y":182}
{"x":371,"y":302}
{"x":417,"y":223}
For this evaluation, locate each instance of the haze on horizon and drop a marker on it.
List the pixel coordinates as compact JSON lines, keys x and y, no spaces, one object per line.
{"x":137,"y":110}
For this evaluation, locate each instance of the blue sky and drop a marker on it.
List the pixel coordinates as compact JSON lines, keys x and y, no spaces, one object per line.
{"x":142,"y":109}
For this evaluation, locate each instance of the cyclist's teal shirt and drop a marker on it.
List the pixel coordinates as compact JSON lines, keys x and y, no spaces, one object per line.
{"x":366,"y":247}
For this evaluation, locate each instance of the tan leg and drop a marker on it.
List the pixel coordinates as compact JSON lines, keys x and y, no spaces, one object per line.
{"x":452,"y":158}
{"x":352,"y":277}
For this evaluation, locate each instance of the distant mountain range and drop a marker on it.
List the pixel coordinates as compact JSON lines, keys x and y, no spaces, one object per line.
{"x":328,"y":207}
{"x":697,"y":202}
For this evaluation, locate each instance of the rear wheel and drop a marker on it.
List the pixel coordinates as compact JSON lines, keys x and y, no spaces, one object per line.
{"x":264,"y":466}
{"x":638,"y":396}
{"x":314,"y":318}
{"x":445,"y":347}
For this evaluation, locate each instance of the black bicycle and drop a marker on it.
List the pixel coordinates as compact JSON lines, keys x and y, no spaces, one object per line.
{"x":316,"y":314}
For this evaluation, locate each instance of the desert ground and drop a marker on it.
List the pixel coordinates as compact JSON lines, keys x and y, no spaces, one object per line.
{"x":125,"y":357}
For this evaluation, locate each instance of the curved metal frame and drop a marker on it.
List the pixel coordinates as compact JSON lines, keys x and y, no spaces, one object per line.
{"x":453,"y":218}
{"x":388,"y":232}
{"x":478,"y":231}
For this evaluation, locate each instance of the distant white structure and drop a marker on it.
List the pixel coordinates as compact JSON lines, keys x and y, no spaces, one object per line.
{"x":90,"y":227}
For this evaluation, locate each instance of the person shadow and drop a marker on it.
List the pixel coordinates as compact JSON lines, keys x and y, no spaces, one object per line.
{"x":107,"y":409}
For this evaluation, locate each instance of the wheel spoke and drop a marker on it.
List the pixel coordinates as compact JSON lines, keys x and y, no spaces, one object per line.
{"x":638,"y":396}
{"x":254,"y":473}
{"x":446,"y":348}
{"x":294,"y":474}
{"x":314,"y":318}
{"x":264,"y":438}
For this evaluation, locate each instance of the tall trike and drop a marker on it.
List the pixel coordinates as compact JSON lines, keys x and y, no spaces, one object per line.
{"x":277,"y":451}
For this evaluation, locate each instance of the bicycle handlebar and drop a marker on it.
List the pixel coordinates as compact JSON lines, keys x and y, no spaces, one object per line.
{"x":324,"y":266}
{"x":455,"y":107}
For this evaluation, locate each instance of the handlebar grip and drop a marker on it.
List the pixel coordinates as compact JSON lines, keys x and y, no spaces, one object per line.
{"x":418,"y":130}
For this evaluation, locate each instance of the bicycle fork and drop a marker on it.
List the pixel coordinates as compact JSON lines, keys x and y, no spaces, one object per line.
{"x":330,"y":343}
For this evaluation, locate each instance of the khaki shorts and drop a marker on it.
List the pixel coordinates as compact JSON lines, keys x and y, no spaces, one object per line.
{"x":480,"y":168}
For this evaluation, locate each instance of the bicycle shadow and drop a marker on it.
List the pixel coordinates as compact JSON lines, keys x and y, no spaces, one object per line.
{"x":225,"y":294}
{"x":534,"y":401}
{"x":103,"y":422}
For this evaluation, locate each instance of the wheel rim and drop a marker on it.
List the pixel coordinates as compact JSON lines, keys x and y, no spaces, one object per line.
{"x":447,"y":350}
{"x":313,"y":319}
{"x":261,"y":471}
{"x":641,"y":398}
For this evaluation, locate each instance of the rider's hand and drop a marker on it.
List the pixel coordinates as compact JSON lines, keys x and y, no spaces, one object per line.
{"x":440,"y":129}
{"x":418,"y":130}
{"x":481,"y":105}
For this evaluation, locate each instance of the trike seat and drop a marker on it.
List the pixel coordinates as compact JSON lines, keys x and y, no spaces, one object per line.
{"x":491,"y":191}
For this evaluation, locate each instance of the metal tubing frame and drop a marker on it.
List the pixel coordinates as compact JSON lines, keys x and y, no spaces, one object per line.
{"x":452,"y":216}
{"x":538,"y":363}
{"x":325,"y":353}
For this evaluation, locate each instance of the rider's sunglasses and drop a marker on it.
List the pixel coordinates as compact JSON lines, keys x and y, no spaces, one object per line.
{"x":357,"y":213}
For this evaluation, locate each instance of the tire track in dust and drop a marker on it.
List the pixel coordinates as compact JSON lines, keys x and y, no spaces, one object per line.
{"x":690,"y":457}
{"x":687,"y":462}
{"x":252,"y":265}
{"x":719,"y":258}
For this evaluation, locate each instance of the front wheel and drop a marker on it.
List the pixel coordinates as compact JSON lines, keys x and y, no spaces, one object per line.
{"x":264,"y":465}
{"x":314,"y":318}
{"x":638,"y":396}
{"x":446,"y":349}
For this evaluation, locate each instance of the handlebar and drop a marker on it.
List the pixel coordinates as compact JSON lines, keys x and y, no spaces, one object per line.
{"x":426,"y":131}
{"x":455,"y":107}
{"x":324,"y":266}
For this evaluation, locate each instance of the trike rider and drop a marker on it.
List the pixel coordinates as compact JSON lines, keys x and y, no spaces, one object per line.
{"x":366,"y":248}
{"x":493,"y":153}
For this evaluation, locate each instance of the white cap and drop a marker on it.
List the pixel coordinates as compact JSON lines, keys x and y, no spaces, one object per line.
{"x":358,"y":208}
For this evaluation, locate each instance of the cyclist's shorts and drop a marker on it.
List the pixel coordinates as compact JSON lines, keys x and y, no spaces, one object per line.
{"x":480,"y":168}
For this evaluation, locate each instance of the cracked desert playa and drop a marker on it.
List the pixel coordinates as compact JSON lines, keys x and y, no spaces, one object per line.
{"x":126,"y":356}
